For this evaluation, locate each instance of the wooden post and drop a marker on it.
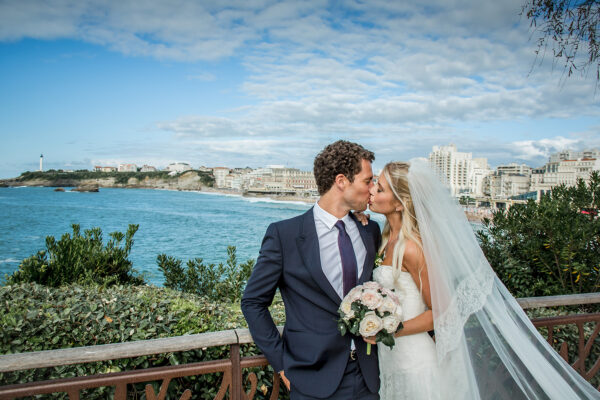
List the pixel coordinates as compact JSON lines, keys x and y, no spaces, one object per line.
{"x":236,"y":372}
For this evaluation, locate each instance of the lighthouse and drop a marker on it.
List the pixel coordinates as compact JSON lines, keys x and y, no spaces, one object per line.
{"x":41,"y":163}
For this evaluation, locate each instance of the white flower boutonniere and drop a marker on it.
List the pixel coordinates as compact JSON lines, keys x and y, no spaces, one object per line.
{"x":378,"y":260}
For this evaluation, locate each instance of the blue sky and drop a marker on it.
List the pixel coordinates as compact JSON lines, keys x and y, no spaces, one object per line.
{"x":250,"y":83}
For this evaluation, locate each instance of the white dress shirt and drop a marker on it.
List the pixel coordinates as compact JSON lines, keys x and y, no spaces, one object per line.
{"x":331,"y":261}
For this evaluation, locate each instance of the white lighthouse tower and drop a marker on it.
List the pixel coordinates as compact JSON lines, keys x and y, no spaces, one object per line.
{"x":41,"y":163}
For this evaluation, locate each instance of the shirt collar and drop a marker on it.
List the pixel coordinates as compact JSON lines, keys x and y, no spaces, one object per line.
{"x":328,"y":219}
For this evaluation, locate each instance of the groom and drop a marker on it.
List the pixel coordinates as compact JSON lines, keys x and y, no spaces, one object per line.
{"x":314,"y":259}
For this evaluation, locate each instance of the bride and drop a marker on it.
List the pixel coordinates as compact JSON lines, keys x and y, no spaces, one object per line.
{"x":485,"y":347}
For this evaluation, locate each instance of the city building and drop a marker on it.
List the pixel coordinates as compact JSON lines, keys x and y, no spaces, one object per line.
{"x":508,"y":181}
{"x":220,"y":173}
{"x":127,"y":168}
{"x":565,"y":167}
{"x":463,"y":174}
{"x":148,"y":168}
{"x":98,"y":168}
{"x":178,"y":167}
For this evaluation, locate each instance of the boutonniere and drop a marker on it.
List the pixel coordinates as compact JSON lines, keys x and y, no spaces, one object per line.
{"x":378,"y":260}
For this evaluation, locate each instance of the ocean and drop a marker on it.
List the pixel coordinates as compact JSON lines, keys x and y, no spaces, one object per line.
{"x":178,"y":223}
{"x":182,"y":224}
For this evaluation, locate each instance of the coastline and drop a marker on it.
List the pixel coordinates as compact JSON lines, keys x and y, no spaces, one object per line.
{"x":192,"y":185}
{"x":234,"y":192}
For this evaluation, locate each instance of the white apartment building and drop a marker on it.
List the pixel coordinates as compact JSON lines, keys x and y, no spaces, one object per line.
{"x":463,"y":174}
{"x":148,"y":168}
{"x":504,"y":186}
{"x":178,"y":167}
{"x":99,"y":168}
{"x":478,"y":172}
{"x":220,"y":173}
{"x":566,"y":168}
{"x":272,"y":178}
{"x":127,"y":168}
{"x":508,"y":181}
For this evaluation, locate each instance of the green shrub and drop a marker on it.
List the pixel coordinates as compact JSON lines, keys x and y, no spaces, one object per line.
{"x":548,"y":248}
{"x":216,"y":282}
{"x":75,"y":315}
{"x":81,"y":259}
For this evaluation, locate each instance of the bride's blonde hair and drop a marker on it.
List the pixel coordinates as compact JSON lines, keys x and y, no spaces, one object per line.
{"x":396,"y":175}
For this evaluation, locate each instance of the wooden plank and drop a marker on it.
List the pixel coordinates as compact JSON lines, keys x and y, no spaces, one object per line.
{"x":244,"y":335}
{"x":565,"y":300}
{"x":78,"y":355}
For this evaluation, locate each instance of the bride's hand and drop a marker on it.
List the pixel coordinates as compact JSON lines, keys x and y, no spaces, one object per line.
{"x":362,"y":217}
{"x":370,"y":339}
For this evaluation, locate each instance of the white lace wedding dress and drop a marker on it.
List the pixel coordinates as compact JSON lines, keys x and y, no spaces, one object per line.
{"x":409,"y":370}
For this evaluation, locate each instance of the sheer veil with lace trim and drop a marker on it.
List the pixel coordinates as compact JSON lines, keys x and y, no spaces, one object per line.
{"x":486,"y":346}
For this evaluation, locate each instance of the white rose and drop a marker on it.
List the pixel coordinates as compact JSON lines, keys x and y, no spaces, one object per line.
{"x":388,"y":304}
{"x":371,"y":285}
{"x":354,"y":294}
{"x":370,"y":325}
{"x":390,"y":323}
{"x":346,"y":308}
{"x":371,"y":298}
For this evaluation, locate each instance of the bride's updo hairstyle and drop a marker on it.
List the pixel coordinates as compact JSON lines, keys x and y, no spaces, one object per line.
{"x":396,"y":175}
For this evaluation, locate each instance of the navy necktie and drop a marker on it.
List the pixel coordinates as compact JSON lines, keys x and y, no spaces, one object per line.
{"x":349,"y":270}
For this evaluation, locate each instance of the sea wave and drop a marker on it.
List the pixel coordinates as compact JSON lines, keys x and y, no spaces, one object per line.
{"x":8,"y":260}
{"x":217,"y":193}
{"x":270,"y":200}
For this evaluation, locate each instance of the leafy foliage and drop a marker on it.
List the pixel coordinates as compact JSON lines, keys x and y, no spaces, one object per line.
{"x":571,"y":26}
{"x":216,"y":282}
{"x":76,"y":315}
{"x":81,"y":259}
{"x":551,"y":247}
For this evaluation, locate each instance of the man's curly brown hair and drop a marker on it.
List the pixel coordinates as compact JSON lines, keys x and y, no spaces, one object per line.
{"x":341,"y":157}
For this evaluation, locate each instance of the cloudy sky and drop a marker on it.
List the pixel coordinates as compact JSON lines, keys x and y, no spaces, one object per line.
{"x":250,"y":83}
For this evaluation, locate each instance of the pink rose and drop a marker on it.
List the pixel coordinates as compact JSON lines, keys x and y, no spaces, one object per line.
{"x":371,"y":299}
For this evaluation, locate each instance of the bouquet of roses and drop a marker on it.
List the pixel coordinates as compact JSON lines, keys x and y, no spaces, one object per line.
{"x":371,"y":310}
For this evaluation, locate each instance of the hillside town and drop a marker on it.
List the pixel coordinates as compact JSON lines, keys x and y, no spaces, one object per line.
{"x":466,"y":176}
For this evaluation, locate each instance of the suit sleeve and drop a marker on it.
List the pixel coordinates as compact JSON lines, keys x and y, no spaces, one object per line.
{"x":259,"y":294}
{"x":376,"y":234}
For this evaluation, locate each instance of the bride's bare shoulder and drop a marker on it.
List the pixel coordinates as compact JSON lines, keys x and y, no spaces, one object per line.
{"x":413,"y":256}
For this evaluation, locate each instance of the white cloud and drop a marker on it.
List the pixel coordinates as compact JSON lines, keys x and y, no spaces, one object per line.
{"x":532,"y":149}
{"x":399,"y":76}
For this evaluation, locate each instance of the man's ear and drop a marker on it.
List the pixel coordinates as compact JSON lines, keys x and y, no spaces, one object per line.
{"x":341,"y":181}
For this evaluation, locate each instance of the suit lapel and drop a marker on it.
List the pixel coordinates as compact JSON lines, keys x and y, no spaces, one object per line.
{"x":370,"y":247}
{"x":308,"y":245}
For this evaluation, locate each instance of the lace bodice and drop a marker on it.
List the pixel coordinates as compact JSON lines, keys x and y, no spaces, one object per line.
{"x":409,"y":370}
{"x":406,"y":288}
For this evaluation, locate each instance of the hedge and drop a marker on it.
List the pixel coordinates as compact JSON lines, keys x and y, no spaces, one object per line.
{"x":35,"y":317}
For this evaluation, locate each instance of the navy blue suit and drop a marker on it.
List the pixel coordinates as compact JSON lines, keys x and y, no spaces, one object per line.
{"x":311,"y":350}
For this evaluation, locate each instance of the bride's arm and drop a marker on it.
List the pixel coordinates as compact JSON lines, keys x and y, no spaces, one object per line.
{"x":414,"y":261}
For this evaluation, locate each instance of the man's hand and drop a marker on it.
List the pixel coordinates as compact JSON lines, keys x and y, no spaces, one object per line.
{"x":285,"y":380}
{"x":370,"y":339}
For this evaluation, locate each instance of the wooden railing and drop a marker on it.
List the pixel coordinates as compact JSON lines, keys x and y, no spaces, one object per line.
{"x":232,"y":367}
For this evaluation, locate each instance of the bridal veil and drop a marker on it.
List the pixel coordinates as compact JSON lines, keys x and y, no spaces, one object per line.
{"x":486,"y":346}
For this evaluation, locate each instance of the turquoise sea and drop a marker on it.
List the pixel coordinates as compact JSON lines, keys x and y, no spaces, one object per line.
{"x":180,"y":224}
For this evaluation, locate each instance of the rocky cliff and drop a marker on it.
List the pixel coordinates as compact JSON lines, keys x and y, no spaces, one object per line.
{"x":190,"y":180}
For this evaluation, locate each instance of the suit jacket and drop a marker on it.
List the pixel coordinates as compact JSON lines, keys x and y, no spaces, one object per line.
{"x":311,"y":350}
